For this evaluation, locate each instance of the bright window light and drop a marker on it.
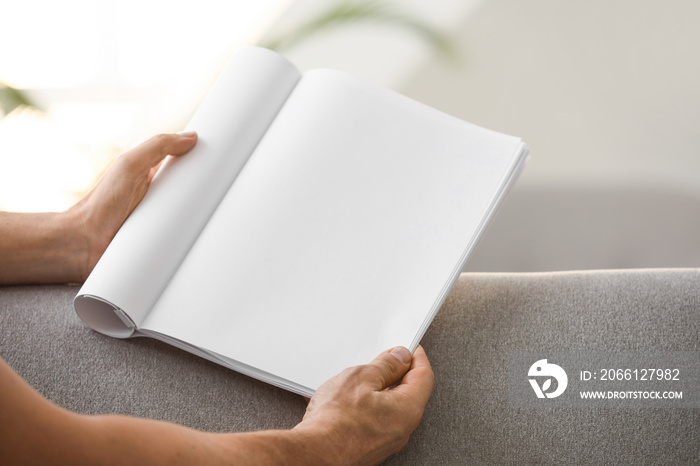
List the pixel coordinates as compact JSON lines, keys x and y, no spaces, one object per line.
{"x":40,"y":167}
{"x":48,"y":44}
{"x":108,"y":74}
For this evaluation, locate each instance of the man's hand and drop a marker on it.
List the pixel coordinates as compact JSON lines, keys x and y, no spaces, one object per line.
{"x":361,"y":416}
{"x":64,"y":247}
{"x":104,"y":209}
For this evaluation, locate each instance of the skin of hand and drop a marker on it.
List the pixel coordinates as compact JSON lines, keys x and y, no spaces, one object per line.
{"x":368,"y":412}
{"x":358,"y":417}
{"x":105,"y":208}
{"x":64,"y":247}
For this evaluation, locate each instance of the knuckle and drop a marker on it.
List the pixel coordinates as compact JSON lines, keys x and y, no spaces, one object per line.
{"x":372,"y":371}
{"x":128,"y":162}
{"x":352,"y":372}
{"x":388,"y":364}
{"x":353,"y":375}
{"x":161,"y":138}
{"x":163,"y":142}
{"x":363,"y":372}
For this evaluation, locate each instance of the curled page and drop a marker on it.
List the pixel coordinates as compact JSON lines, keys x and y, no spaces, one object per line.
{"x":154,"y":240}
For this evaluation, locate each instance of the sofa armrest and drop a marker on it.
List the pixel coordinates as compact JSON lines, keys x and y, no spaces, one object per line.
{"x":468,"y":419}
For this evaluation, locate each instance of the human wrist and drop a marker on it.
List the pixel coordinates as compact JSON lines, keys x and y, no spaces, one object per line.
{"x":41,"y":248}
{"x":71,"y":232}
{"x":273,"y":447}
{"x":61,"y":248}
{"x":323,"y":445}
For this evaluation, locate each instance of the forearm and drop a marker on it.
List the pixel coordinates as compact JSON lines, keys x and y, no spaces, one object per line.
{"x":38,"y":248}
{"x":127,"y":440}
{"x":63,"y":437}
{"x":35,"y":431}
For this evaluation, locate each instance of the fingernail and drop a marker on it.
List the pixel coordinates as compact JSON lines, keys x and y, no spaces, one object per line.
{"x":402,"y":354}
{"x":187,"y":134}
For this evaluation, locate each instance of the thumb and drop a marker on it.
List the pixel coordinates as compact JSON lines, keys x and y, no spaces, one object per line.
{"x":151,"y":152}
{"x":392,"y":365}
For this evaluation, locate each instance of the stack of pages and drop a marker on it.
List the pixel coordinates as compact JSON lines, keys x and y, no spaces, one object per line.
{"x":319,"y":221}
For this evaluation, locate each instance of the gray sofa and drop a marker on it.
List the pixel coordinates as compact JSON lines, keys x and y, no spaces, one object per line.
{"x":487,"y":316}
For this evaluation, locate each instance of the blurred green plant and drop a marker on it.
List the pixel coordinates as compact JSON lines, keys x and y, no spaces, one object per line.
{"x":11,"y":98}
{"x":361,"y":11}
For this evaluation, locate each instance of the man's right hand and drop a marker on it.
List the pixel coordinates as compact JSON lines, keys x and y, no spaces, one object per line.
{"x":361,"y":416}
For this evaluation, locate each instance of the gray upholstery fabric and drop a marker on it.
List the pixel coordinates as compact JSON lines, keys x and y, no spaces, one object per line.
{"x":467,"y":421}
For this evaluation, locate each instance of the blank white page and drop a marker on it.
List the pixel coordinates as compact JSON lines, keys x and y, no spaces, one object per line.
{"x":151,"y":244}
{"x":339,"y":235}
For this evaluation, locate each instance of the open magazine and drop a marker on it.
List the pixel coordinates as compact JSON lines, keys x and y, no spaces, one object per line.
{"x":319,"y":221}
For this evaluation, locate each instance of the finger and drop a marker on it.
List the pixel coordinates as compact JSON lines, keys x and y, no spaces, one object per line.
{"x":419,"y":380}
{"x":390,"y":367}
{"x":152,"y":151}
